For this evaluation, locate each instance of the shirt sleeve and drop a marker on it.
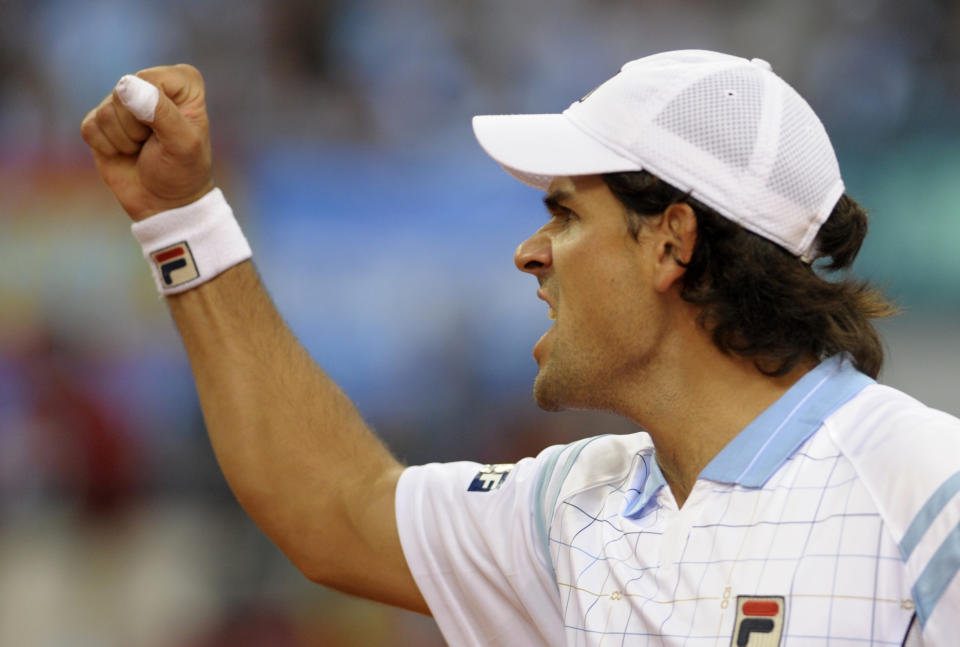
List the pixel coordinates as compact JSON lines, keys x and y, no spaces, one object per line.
{"x":470,"y":536}
{"x":908,"y":455}
{"x":931,"y":546}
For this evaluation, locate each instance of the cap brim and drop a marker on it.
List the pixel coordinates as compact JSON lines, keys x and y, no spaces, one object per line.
{"x":537,"y":148}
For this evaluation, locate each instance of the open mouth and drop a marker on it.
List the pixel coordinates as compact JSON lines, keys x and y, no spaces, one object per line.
{"x":552,"y":312}
{"x":543,"y":343}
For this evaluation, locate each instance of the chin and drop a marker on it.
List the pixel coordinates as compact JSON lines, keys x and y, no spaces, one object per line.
{"x":545,"y":390}
{"x":554,"y":393}
{"x":546,"y":399}
{"x":562,"y":387}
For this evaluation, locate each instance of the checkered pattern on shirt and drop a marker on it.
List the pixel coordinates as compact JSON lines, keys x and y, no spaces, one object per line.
{"x":811,"y":534}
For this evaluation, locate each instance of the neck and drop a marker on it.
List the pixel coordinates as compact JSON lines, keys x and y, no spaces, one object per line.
{"x":694,"y":400}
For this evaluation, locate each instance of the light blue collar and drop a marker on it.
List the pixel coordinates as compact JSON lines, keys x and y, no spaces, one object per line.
{"x":761,"y":448}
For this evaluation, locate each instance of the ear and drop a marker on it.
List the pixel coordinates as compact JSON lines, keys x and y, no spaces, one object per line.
{"x":676,"y":237}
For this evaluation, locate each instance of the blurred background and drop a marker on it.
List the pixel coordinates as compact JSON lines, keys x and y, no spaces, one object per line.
{"x":342,"y":138}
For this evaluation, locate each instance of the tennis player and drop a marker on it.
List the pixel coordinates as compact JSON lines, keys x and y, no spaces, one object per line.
{"x":777,"y":495}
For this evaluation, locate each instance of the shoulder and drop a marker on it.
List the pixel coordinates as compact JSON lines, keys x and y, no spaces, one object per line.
{"x":468,"y":508}
{"x":907,"y":455}
{"x":591,"y":462}
{"x":887,"y":425}
{"x":588,"y":464}
{"x":887,"y":408}
{"x":903,"y":451}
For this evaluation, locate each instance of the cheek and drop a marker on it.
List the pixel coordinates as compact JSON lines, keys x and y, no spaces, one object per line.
{"x":604,"y":306}
{"x":619,"y":313}
{"x":600,"y":281}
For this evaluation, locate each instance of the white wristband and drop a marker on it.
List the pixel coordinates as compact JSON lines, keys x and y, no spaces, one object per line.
{"x":190,"y":245}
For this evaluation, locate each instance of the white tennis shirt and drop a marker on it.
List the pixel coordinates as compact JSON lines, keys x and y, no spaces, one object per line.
{"x":832,"y":519}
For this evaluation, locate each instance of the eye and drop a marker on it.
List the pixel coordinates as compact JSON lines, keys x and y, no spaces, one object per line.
{"x":563,"y":214}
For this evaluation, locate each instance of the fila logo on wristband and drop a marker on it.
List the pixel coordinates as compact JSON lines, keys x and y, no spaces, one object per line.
{"x":176,"y":264}
{"x":215,"y":243}
{"x":759,"y":621}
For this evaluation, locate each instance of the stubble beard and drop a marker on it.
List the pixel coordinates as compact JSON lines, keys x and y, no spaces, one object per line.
{"x":572,"y":379}
{"x":546,"y":392}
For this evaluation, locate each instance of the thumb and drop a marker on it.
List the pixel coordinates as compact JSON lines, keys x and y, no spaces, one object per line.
{"x":138,"y":96}
{"x":152,"y":107}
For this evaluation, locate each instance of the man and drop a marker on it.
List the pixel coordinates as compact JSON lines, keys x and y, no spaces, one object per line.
{"x":778,"y":495}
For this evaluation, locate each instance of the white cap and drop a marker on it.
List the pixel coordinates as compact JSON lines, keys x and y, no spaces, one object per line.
{"x":724,"y":128}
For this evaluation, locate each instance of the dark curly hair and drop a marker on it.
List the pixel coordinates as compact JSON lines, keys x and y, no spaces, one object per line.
{"x":760,"y":301}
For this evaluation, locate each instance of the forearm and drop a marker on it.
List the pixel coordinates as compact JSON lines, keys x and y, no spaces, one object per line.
{"x":293,"y":448}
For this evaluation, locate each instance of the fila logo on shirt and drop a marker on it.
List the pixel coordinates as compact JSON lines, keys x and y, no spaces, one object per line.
{"x":175,"y":264}
{"x":759,"y":621}
{"x":490,"y":477}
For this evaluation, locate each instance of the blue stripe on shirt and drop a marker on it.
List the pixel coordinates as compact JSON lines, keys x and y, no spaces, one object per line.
{"x":539,"y":515}
{"x":936,"y":576}
{"x":934,"y":505}
{"x":545,"y":503}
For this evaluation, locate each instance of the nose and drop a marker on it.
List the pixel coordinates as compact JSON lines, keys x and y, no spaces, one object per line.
{"x":534,"y":255}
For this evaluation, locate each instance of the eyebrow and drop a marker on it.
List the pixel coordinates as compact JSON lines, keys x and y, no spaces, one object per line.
{"x":553,"y":199}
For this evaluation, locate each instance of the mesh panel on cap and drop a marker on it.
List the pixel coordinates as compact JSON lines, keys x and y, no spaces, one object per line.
{"x":805,"y":170}
{"x":719,"y":114}
{"x":726,"y":129}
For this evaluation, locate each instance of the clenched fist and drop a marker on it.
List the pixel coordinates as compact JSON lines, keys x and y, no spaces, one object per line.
{"x":153,"y":162}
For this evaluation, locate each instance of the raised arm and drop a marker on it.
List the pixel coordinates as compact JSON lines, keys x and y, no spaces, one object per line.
{"x":296,"y":453}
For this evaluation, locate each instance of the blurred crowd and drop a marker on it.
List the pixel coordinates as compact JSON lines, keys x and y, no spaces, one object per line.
{"x":349,"y":121}
{"x":376,"y":71}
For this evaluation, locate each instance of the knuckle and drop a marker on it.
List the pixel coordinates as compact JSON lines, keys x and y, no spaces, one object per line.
{"x":154,"y":75}
{"x":102,"y":146}
{"x":128,"y":147}
{"x":189,"y":70}
{"x":88,"y":127}
{"x":102,"y":117}
{"x":191,"y":73}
